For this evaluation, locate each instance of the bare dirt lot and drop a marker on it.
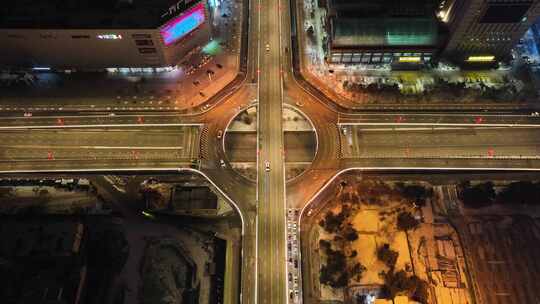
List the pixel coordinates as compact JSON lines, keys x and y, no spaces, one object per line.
{"x":503,"y":253}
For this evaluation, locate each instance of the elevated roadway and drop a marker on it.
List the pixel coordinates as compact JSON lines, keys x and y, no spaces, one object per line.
{"x":271,"y":265}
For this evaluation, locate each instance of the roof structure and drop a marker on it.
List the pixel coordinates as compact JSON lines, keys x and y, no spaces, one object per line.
{"x":89,"y":14}
{"x":384,"y":32}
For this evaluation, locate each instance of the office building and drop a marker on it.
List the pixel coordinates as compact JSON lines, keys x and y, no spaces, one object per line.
{"x":485,"y":31}
{"x":386,"y":31}
{"x":98,"y":34}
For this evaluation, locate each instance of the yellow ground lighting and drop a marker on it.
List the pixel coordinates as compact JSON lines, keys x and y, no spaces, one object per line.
{"x":409,"y":59}
{"x":480,"y":58}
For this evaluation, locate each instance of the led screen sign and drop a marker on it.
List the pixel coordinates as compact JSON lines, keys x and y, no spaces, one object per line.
{"x":487,"y":58}
{"x":410,"y":59}
{"x":182,"y":25}
{"x":109,"y":36}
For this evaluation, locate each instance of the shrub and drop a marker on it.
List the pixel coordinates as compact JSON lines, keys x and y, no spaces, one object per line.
{"x":522,"y":193}
{"x":480,"y":195}
{"x":387,"y":256}
{"x":406,"y":221}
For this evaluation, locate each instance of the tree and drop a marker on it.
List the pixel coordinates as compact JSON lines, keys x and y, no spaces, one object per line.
{"x":247,"y":119}
{"x":523,"y":193}
{"x":416,"y":193}
{"x":334,"y":273}
{"x":349,"y":233}
{"x":324,"y":245}
{"x":387,"y":256}
{"x":480,"y":195}
{"x":398,"y":283}
{"x":420,"y":293}
{"x":332,"y":222}
{"x":356,"y":271}
{"x":325,"y":276}
{"x":406,"y":221}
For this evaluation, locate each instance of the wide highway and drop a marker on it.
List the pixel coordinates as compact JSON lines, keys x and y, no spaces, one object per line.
{"x":271,"y":272}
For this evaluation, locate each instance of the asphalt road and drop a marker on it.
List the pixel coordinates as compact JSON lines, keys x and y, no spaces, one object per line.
{"x":175,"y":143}
{"x":475,"y":119}
{"x":74,"y":120}
{"x":271,"y":266}
{"x":242,"y":146}
{"x":440,"y":142}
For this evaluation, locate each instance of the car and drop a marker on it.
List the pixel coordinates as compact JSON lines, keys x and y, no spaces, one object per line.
{"x":267,"y":166}
{"x":219,"y":134}
{"x":268,"y":47}
{"x":27,"y":114}
{"x":535,"y":114}
{"x":222,"y":163}
{"x":295,"y":263}
{"x":290,"y":277}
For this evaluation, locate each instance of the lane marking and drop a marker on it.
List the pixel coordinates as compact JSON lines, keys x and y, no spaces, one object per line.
{"x":92,"y":147}
{"x":438,"y":124}
{"x":27,"y":127}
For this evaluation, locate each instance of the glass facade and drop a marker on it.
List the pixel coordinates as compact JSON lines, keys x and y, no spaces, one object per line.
{"x":384,"y":32}
{"x":369,"y":57}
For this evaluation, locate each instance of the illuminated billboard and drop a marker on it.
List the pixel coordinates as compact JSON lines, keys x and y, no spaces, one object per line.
{"x":488,"y":58}
{"x":182,"y":25}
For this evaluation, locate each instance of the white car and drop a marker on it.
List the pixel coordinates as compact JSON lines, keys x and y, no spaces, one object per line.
{"x":268,"y":47}
{"x":27,"y":114}
{"x":222,"y":163}
{"x":219,"y":134}
{"x":267,"y":166}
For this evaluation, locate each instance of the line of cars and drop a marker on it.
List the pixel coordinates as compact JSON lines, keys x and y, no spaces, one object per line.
{"x":293,"y":274}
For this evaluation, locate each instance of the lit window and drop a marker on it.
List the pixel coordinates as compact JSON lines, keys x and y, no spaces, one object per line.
{"x":109,"y":36}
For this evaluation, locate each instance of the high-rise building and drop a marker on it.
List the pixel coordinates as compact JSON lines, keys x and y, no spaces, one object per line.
{"x":98,"y":34}
{"x":486,"y":30}
{"x":383,"y":31}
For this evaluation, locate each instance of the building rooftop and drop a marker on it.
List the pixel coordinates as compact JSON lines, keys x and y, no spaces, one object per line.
{"x":394,"y":8}
{"x":89,"y":14}
{"x":389,"y":32}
